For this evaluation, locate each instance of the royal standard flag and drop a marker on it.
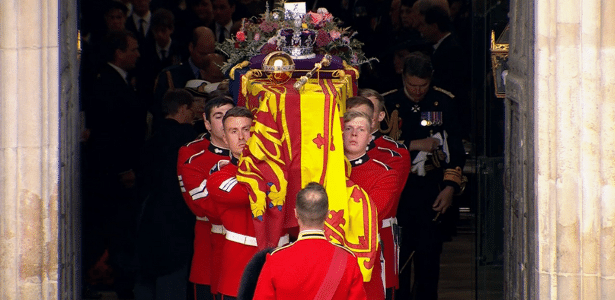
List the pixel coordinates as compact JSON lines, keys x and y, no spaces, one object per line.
{"x":297,"y":139}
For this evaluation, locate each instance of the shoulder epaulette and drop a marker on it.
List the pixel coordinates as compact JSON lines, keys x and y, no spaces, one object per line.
{"x":345,"y":248}
{"x":383,"y":164}
{"x":441,"y":90}
{"x":198,"y":139}
{"x":390,"y":139}
{"x":193,"y":156}
{"x":391,"y":151}
{"x":216,"y":167}
{"x":281,"y":248}
{"x":201,"y":136}
{"x":389,"y":92}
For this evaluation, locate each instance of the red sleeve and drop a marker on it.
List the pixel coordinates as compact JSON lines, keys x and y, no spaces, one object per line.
{"x":264,"y":287}
{"x":194,"y":190}
{"x":226,"y":190}
{"x":182,"y":156}
{"x":404,"y":169}
{"x":356,"y":291}
{"x":385,"y":193}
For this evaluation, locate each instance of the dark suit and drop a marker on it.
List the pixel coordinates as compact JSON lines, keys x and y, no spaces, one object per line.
{"x":452,"y":72}
{"x":449,"y":67}
{"x":116,"y":119}
{"x":143,"y":41}
{"x":150,"y":65}
{"x":166,"y":226}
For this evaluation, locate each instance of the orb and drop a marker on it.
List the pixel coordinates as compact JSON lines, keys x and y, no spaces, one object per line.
{"x":279,"y":67}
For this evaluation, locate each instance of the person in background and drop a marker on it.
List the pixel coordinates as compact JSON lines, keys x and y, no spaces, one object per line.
{"x":165,"y":229}
{"x":430,"y":130}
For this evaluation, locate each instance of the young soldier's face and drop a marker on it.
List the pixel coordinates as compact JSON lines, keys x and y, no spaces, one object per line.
{"x":237,"y":133}
{"x":357,"y":135}
{"x":214,"y":125}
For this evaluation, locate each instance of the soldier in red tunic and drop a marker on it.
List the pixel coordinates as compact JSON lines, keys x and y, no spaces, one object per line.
{"x":396,"y":156}
{"x":229,"y":199}
{"x":195,"y":161}
{"x":311,"y":267}
{"x":376,"y":178}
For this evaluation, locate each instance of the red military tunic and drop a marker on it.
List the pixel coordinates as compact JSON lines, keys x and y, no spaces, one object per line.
{"x":396,"y":156}
{"x":193,"y":175}
{"x":192,"y":148}
{"x":232,"y":204}
{"x":297,"y":271}
{"x":393,"y":154}
{"x":380,"y":182}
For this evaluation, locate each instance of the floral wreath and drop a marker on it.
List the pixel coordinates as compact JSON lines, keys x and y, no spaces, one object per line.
{"x":258,"y":35}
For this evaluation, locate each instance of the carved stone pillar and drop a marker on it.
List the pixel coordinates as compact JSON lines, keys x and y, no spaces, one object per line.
{"x":567,"y":207}
{"x":35,"y":196}
{"x":575,"y":149}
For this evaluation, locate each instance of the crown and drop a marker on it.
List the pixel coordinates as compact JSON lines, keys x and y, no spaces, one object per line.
{"x":297,"y":42}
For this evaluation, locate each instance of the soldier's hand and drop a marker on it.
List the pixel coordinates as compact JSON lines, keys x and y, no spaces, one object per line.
{"x":444,"y":200}
{"x":427,"y":144}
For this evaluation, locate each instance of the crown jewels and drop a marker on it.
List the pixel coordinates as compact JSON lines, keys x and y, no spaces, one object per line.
{"x":297,"y":42}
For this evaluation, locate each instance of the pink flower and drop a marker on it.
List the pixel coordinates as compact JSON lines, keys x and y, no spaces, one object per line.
{"x":315,"y":18}
{"x":257,"y":36}
{"x":346,"y":40}
{"x":327,"y":17}
{"x":241,"y":36}
{"x":335,"y":34}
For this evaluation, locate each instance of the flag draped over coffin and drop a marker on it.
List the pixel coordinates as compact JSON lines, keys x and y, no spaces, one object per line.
{"x":297,"y":139}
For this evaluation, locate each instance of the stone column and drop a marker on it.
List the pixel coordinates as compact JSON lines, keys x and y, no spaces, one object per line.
{"x":574,"y":129}
{"x":29,"y":149}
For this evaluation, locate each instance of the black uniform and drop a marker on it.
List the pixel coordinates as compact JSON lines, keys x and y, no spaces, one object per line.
{"x":434,"y":114}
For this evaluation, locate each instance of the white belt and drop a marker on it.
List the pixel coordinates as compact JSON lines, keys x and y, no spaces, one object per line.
{"x":389,"y":222}
{"x":202,"y":219}
{"x":240,"y":238}
{"x":219,"y":229}
{"x":249,"y":240}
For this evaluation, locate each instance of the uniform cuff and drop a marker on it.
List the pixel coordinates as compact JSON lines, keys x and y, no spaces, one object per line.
{"x":452,"y":177}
